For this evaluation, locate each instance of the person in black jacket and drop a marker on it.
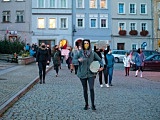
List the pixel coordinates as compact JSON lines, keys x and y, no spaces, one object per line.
{"x":42,"y":59}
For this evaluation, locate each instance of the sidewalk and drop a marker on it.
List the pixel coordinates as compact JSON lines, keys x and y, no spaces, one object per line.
{"x":61,"y":98}
{"x":15,"y":81}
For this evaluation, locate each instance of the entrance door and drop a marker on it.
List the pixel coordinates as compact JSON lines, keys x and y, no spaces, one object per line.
{"x":120,"y":46}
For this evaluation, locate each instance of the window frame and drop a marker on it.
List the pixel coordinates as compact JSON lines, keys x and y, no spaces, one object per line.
{"x":50,"y":23}
{"x":60,"y":23}
{"x":130,"y":26}
{"x":7,"y":17}
{"x":55,"y":3}
{"x":143,"y":27}
{"x":119,"y":8}
{"x":134,"y":8}
{"x":106,"y":4}
{"x":39,"y":6}
{"x":80,"y":16}
{"x":94,"y":4}
{"x":78,"y":4}
{"x":43,"y":23}
{"x":61,"y":5}
{"x":21,"y":15}
{"x":119,"y":28}
{"x":104,"y":16}
{"x":141,"y":8}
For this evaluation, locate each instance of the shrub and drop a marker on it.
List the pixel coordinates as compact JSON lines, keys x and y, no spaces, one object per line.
{"x":7,"y":47}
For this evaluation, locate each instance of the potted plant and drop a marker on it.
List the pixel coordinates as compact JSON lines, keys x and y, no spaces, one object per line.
{"x":133,"y":32}
{"x":144,"y":33}
{"x":122,"y":32}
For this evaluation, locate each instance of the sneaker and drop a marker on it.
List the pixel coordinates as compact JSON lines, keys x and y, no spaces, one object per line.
{"x":56,"y":75}
{"x":135,"y":75}
{"x":101,"y":86}
{"x":107,"y":85}
{"x":141,"y":76}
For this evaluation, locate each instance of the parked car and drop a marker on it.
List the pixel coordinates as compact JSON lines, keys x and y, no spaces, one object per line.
{"x":147,"y":53}
{"x":119,"y":55}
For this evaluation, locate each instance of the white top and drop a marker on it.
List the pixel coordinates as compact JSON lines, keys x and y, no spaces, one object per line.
{"x":127,"y":61}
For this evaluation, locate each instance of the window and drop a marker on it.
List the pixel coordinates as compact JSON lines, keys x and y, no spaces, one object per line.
{"x":52,"y":4}
{"x":122,"y":26}
{"x":80,"y":4}
{"x":20,"y":16}
{"x":6,"y":16}
{"x":40,"y":3}
{"x":41,"y":23}
{"x":52,"y":23}
{"x":144,"y":26}
{"x":143,"y":9}
{"x":134,"y":46}
{"x":19,"y":0}
{"x":103,"y":3}
{"x":159,"y":23}
{"x":132,"y":8}
{"x":104,"y":21}
{"x":93,"y":3}
{"x":121,"y":8}
{"x":63,"y":4}
{"x":93,"y":20}
{"x":80,"y":20}
{"x":132,"y":26}
{"x":63,"y":23}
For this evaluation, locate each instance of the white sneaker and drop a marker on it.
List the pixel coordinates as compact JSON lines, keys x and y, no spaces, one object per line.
{"x":101,"y":86}
{"x":107,"y":85}
{"x":141,"y":76}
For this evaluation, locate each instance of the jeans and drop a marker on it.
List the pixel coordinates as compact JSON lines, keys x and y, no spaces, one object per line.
{"x":105,"y":76}
{"x":110,"y":74}
{"x":42,"y":70}
{"x":85,"y":89}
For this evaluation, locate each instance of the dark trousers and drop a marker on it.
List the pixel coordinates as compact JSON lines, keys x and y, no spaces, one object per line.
{"x":75,"y":68}
{"x":127,"y":70}
{"x":85,"y":89}
{"x":56,"y":68}
{"x":105,"y":76}
{"x":42,"y":70}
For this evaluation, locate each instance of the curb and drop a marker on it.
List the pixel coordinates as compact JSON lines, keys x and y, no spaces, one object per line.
{"x":16,"y":97}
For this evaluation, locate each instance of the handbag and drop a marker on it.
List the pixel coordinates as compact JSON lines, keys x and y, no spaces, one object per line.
{"x":94,"y":66}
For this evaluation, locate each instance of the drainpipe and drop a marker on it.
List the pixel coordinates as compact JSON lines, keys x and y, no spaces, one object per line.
{"x":152,"y":14}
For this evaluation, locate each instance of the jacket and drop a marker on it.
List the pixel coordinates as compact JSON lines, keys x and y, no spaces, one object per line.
{"x":84,"y":66}
{"x":42,"y":55}
{"x":127,"y":61}
{"x":109,"y":60}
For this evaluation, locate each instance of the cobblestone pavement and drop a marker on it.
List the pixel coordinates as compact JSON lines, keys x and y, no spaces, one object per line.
{"x":131,"y":98}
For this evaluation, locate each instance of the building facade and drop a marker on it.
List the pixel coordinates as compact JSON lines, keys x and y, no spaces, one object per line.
{"x":15,"y":20}
{"x":52,"y":22}
{"x":156,"y":13}
{"x":132,"y":24}
{"x":91,"y":20}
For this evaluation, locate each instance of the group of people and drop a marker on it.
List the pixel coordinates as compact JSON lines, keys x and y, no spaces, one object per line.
{"x":138,"y":61}
{"x":81,"y":58}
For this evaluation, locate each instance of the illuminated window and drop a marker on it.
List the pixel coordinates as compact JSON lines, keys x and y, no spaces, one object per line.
{"x":6,"y":0}
{"x":52,"y":23}
{"x":40,"y":23}
{"x":93,"y":3}
{"x":103,"y":3}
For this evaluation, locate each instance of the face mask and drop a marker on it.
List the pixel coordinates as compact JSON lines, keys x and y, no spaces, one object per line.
{"x":86,"y":46}
{"x":43,"y":46}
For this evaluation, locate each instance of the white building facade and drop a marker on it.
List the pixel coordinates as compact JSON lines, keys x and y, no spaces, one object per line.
{"x":132,"y":16}
{"x":51,"y":22}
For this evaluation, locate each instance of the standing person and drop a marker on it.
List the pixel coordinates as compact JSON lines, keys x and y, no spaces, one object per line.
{"x":56,"y":57}
{"x":42,"y":60}
{"x":85,"y":57}
{"x":75,"y":61}
{"x":139,"y":58}
{"x":69,"y":60}
{"x":49,"y":53}
{"x":110,"y":66}
{"x":98,"y":51}
{"x":127,"y":62}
